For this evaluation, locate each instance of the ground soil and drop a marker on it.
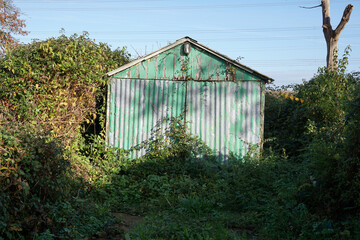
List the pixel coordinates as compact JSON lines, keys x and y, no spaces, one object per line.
{"x":124,"y":222}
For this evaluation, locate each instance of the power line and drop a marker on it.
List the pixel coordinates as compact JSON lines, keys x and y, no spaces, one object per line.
{"x":252,"y":30}
{"x":291,"y":62}
{"x":175,"y":7}
{"x":257,"y":39}
{"x":265,"y":39}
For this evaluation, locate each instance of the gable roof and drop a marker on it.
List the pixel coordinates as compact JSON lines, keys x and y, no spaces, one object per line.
{"x":195,"y":43}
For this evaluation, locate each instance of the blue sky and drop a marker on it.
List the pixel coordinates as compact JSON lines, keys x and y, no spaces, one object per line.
{"x":274,"y":37}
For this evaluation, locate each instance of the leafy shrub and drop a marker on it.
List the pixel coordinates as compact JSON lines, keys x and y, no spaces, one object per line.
{"x":352,"y":121}
{"x":321,"y":107}
{"x":285,"y":121}
{"x":39,"y":194}
{"x":57,"y":82}
{"x":33,"y":173}
{"x":172,"y":149}
{"x":94,"y":160}
{"x":335,"y":163}
{"x":50,"y":91}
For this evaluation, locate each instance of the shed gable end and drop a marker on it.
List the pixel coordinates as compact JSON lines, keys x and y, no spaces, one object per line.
{"x":174,"y":64}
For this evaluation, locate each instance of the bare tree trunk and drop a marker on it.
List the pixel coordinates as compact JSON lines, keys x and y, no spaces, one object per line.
{"x":332,"y":36}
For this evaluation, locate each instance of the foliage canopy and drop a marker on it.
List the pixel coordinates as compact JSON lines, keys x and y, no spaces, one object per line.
{"x":10,"y":23}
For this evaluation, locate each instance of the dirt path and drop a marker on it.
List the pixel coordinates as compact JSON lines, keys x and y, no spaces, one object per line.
{"x":127,"y":221}
{"x":124,"y":222}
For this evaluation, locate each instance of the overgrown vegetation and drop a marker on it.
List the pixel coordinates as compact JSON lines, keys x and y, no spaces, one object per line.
{"x":51,"y":92}
{"x":60,"y":181}
{"x":58,"y":83}
{"x":40,"y":197}
{"x":320,"y":134}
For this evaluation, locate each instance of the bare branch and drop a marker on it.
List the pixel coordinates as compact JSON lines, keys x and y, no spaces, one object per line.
{"x":345,"y":19}
{"x":310,"y":7}
{"x":139,"y":56}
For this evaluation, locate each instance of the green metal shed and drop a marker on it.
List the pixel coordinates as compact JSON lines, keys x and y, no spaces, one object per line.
{"x":221,"y":99}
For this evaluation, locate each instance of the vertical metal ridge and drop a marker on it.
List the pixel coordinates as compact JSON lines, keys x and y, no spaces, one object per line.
{"x":112,"y":111}
{"x":229,"y":118}
{"x":251,"y":113}
{"x":211,"y":117}
{"x":117,"y":114}
{"x":122,"y":113}
{"x":127,"y":113}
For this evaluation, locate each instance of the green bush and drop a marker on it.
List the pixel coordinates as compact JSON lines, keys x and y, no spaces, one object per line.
{"x":52,"y":91}
{"x":39,"y":193}
{"x":334,"y":158}
{"x":352,"y":122}
{"x":57,"y":83}
{"x":317,"y":105}
{"x":33,"y":171}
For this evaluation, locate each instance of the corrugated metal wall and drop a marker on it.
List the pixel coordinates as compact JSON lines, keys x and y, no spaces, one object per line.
{"x":225,"y":115}
{"x":136,"y":106}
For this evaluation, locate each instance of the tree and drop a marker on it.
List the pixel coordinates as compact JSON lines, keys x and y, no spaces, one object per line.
{"x":10,"y":24}
{"x":332,"y":36}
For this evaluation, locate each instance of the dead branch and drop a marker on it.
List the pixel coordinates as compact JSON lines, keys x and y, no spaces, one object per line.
{"x":345,"y":19}
{"x":310,"y":7}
